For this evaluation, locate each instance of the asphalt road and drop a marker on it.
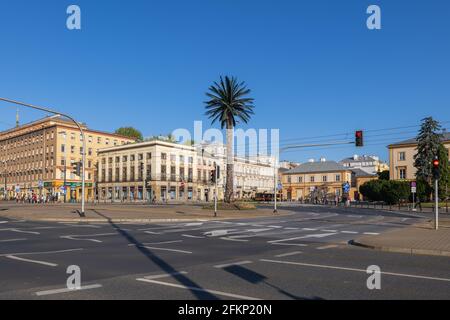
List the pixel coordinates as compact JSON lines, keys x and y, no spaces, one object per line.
{"x":304,"y":255}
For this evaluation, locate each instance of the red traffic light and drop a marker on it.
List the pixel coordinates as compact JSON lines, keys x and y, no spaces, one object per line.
{"x":359,"y":142}
{"x":436,"y":163}
{"x":359,"y":134}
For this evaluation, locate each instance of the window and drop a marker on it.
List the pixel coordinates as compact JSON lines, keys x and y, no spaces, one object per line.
{"x":300,"y":179}
{"x":124,"y":159}
{"x":338,"y":177}
{"x":402,"y":173}
{"x":324,"y":178}
{"x":312,"y":179}
{"x":163,"y":156}
{"x":401,"y":156}
{"x":72,"y":149}
{"x":63,"y":148}
{"x":149,"y":155}
{"x":90,"y":151}
{"x":288,"y":179}
{"x":132,"y":157}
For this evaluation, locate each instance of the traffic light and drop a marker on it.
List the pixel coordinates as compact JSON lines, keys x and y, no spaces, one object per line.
{"x":213,"y":176}
{"x":76,"y":168}
{"x":436,"y":171}
{"x":359,"y":138}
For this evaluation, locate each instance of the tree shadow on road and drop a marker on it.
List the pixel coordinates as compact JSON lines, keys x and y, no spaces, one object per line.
{"x":166,"y":267}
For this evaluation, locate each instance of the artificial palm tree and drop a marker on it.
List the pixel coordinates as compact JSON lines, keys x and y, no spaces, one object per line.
{"x":229,"y":104}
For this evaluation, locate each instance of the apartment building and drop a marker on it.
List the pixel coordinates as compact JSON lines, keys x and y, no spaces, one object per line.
{"x":155,"y":169}
{"x":37,"y":157}
{"x":401,"y":158}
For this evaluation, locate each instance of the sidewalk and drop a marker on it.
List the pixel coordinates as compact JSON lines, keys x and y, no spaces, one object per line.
{"x":419,"y":239}
{"x":126,"y":213}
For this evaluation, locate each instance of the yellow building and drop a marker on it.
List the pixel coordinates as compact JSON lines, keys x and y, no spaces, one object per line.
{"x":37,"y":157}
{"x":401,"y":158}
{"x":311,"y":180}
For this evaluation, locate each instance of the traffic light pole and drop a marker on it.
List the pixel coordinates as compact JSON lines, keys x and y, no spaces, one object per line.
{"x":436,"y":199}
{"x":82,"y":136}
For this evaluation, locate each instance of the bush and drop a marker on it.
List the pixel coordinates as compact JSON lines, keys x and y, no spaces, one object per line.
{"x":390,"y":192}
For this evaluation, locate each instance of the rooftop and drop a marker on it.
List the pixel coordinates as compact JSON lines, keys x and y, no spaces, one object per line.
{"x":320,"y":166}
{"x":445,"y":138}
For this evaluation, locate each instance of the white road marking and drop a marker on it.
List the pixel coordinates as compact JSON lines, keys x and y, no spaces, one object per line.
{"x":152,"y":232}
{"x":166,"y":249}
{"x":76,"y":239}
{"x":303,"y":237}
{"x":191,"y":236}
{"x":327,"y":247}
{"x":371,"y":233}
{"x":66,"y":290}
{"x":220,"y":293}
{"x":289,"y":228}
{"x":288,"y":254}
{"x":32,"y":261}
{"x":309,"y":229}
{"x":238,"y":263}
{"x":21,"y":231}
{"x":163,"y":242}
{"x":193,"y":224}
{"x":289,"y":244}
{"x":13,"y":240}
{"x":41,"y":252}
{"x":258,"y":230}
{"x":349,"y":232}
{"x":82,"y":225}
{"x":3,"y":222}
{"x":233,"y":239}
{"x":218,"y":233}
{"x":276,"y":227}
{"x":164,"y":275}
{"x":355,"y":269}
{"x":329,"y":230}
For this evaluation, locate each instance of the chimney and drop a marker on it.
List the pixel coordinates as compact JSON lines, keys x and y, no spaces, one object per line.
{"x":323,"y":159}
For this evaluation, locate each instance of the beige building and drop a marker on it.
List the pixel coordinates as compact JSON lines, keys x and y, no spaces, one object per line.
{"x":252,"y":175}
{"x":321,"y":179}
{"x":156,"y":169}
{"x":37,"y":157}
{"x":401,"y":158}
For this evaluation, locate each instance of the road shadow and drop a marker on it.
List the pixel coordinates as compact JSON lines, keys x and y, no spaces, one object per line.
{"x":255,"y":278}
{"x":166,"y":267}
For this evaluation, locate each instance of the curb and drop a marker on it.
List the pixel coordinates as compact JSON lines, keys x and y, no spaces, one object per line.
{"x":402,"y":250}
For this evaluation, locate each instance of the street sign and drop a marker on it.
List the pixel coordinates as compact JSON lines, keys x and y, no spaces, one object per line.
{"x":280,"y":187}
{"x":40,"y":184}
{"x":413,"y":187}
{"x":17,"y":189}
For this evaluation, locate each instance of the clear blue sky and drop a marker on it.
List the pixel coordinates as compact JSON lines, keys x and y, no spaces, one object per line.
{"x":314,"y":67}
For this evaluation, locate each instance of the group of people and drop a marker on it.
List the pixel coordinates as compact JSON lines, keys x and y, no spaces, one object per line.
{"x":36,"y":198}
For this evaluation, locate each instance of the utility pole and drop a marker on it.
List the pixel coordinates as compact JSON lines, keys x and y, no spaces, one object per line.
{"x":436,"y":176}
{"x":82,"y":136}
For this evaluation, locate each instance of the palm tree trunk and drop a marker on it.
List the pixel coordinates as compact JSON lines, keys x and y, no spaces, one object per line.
{"x":229,"y":192}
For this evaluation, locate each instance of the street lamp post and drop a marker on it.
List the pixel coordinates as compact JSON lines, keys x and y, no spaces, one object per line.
{"x":82,"y":136}
{"x":65,"y":165}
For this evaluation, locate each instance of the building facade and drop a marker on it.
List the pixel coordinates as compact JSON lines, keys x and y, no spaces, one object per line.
{"x":401,"y":158}
{"x":369,"y":164}
{"x":252,"y":175}
{"x":156,"y":170}
{"x":37,"y":158}
{"x":315,"y":180}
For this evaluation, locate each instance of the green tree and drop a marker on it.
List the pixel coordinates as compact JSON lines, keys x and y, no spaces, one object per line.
{"x":130,"y":132}
{"x":383,"y":175}
{"x":428,"y":142}
{"x":228,"y":104}
{"x":444,"y":179}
